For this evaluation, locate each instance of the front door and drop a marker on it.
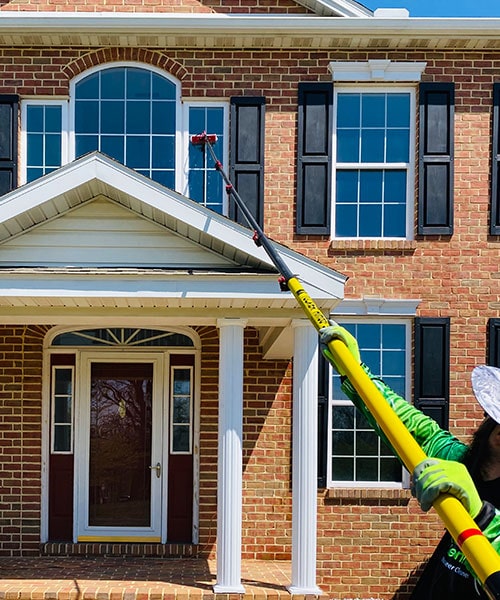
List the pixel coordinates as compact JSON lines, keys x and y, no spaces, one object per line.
{"x":120,"y":473}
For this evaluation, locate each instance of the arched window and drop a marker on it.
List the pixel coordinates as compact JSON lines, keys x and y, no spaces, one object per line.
{"x":130,"y":114}
{"x":122,"y":336}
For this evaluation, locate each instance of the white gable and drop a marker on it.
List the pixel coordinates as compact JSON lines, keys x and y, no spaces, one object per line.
{"x":102,"y":233}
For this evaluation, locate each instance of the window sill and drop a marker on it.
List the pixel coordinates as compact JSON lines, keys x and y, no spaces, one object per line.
{"x":373,"y":246}
{"x":394,"y":496}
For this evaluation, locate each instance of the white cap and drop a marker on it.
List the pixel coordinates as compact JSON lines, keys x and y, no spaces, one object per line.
{"x":486,"y":387}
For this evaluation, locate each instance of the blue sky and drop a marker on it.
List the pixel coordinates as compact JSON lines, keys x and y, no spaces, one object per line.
{"x":440,"y":8}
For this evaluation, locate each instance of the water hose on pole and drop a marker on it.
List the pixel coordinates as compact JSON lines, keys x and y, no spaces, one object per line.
{"x":481,"y":555}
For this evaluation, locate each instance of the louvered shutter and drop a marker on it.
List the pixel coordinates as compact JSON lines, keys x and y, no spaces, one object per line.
{"x":432,"y":368}
{"x":495,"y":164}
{"x":314,"y":166}
{"x":436,"y":147}
{"x":9,"y":107}
{"x":247,"y":156}
{"x":494,"y":342}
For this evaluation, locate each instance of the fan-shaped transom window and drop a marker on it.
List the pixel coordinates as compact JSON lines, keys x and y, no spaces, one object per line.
{"x":122,"y":336}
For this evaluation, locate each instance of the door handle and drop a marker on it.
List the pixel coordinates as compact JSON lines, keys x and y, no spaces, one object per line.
{"x":157,"y":468}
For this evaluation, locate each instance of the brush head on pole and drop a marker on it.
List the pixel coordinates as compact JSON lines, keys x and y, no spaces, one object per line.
{"x":203,"y":138}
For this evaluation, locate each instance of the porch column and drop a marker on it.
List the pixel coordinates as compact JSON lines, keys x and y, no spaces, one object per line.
{"x":304,"y":460}
{"x":230,"y":460}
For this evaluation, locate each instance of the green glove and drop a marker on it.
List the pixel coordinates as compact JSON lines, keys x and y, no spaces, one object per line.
{"x":337,"y":332}
{"x":434,"y":476}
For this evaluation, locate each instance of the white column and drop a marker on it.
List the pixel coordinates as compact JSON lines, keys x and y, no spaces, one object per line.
{"x":230,"y":458}
{"x":304,"y":460}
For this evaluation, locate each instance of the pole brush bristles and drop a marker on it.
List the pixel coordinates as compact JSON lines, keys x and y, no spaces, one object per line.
{"x":203,"y":138}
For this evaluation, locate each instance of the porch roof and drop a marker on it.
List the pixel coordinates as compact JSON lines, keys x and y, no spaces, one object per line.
{"x":95,"y":241}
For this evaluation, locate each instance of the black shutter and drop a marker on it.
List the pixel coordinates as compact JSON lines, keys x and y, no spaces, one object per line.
{"x":323,"y":385}
{"x":494,"y":342}
{"x":314,"y":165}
{"x":247,"y":156}
{"x":9,"y":107}
{"x":432,"y":368}
{"x":495,"y":164}
{"x":435,"y":197}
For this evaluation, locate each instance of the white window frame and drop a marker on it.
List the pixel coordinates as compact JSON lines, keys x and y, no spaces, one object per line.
{"x":174,"y":368}
{"x":53,"y":423}
{"x":221,"y":153}
{"x":408,"y":167}
{"x":25,"y":103}
{"x":332,"y":403}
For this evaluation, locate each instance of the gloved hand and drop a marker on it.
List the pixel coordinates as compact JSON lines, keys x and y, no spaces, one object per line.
{"x":337,"y":332}
{"x":434,"y":476}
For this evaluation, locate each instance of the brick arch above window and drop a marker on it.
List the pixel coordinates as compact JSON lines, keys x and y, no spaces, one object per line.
{"x":109,"y":55}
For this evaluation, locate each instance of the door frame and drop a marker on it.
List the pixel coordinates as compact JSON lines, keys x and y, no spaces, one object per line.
{"x":156,"y":532}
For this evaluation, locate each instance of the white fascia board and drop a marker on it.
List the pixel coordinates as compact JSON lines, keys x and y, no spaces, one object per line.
{"x":227,"y":25}
{"x":149,"y":24}
{"x":196,"y":286}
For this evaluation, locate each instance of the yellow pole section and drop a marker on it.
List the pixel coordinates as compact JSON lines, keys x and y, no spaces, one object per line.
{"x":479,"y":552}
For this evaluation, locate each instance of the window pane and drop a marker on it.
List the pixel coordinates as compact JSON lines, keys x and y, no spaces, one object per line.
{"x":138,"y":83}
{"x":398,"y":110}
{"x":163,"y":89}
{"x":343,"y":469}
{"x":367,"y":443}
{"x":163,"y":152}
{"x":365,"y":469}
{"x":62,"y":438}
{"x":370,"y":188}
{"x":114,"y":146}
{"x":63,"y":381}
{"x":180,"y":438}
{"x":373,"y":110}
{"x":138,"y":118}
{"x":138,"y":152}
{"x":370,"y":220}
{"x":395,"y":220}
{"x":398,"y":143}
{"x":181,"y":410}
{"x":112,"y":117}
{"x":166,"y":178}
{"x":346,"y":218}
{"x":62,"y":410}
{"x":343,"y":442}
{"x":347,"y":186}
{"x":163,"y":117}
{"x":343,"y":417}
{"x":53,"y":150}
{"x":372,"y":145}
{"x":395,"y":186}
{"x":88,"y":87}
{"x":85,"y":144}
{"x":53,"y":119}
{"x":87,"y":117}
{"x":112,"y":84}
{"x":34,"y":151}
{"x":34,"y":117}
{"x":347,"y":145}
{"x":348,"y":110}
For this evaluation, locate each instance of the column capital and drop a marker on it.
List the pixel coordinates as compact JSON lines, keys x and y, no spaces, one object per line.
{"x":226,"y":322}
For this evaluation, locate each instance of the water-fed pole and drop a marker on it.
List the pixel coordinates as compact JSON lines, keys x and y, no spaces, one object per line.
{"x":481,"y":555}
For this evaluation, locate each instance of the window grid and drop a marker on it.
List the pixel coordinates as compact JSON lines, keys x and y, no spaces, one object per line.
{"x":358,"y":456}
{"x":205,"y":184}
{"x":181,"y":410}
{"x":43,"y":137}
{"x":374,"y":146}
{"x":62,"y":410}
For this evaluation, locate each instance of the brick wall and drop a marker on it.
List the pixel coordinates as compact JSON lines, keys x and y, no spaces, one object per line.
{"x":455,"y":277}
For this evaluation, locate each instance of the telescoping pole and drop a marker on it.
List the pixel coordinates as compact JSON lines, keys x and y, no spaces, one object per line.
{"x":469,"y":538}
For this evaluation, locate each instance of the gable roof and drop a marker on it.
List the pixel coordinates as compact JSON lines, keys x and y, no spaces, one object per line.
{"x":228,"y":274}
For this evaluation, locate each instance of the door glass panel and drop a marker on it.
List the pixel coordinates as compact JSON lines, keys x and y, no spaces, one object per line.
{"x":120,"y":445}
